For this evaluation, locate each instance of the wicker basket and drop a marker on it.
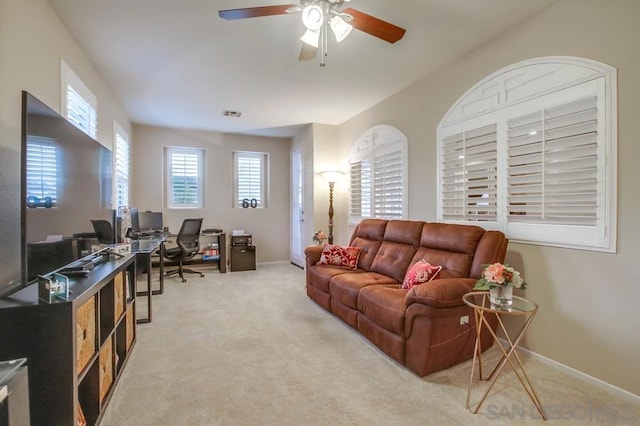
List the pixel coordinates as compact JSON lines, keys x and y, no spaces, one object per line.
{"x":118,"y":285}
{"x":106,"y":368}
{"x":85,"y":333}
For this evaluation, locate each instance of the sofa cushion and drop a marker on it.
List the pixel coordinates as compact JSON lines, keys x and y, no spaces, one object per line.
{"x":384,"y":306}
{"x":450,"y":245}
{"x":401,"y":239}
{"x":340,"y":256}
{"x":344,"y":288}
{"x":420,"y":272}
{"x":320,"y":275}
{"x":368,"y":235}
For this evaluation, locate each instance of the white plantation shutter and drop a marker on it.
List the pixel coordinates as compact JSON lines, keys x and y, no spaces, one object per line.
{"x":388,"y":188}
{"x":468,"y":171}
{"x":42,"y":168}
{"x":184,"y":177}
{"x":121,"y":168}
{"x":81,"y":113}
{"x":79,"y":104}
{"x":250,"y":178}
{"x":360,"y":183}
{"x":377,"y":175}
{"x":553,"y":165}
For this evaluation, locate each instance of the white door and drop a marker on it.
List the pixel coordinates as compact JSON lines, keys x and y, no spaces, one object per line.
{"x":297,"y":207}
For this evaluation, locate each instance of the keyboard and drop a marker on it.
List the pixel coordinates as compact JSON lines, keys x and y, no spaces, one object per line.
{"x":151,"y":232}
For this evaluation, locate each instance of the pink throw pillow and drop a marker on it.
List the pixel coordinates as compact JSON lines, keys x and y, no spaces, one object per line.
{"x":420,"y":272}
{"x":340,"y":256}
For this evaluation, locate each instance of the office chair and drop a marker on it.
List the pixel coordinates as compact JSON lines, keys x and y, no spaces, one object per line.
{"x":188,"y":241}
{"x":103,"y":230}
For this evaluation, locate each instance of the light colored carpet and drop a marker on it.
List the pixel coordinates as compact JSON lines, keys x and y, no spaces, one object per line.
{"x":250,"y":348}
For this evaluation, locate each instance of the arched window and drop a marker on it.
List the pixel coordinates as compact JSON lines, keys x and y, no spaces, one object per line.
{"x":378,"y":175}
{"x":531,"y":150}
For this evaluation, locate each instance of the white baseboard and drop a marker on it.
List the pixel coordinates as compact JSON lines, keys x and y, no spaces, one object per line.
{"x":579,"y":374}
{"x":274,"y":262}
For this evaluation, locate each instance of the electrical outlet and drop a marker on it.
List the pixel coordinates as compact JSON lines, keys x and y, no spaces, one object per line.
{"x":464,"y":320}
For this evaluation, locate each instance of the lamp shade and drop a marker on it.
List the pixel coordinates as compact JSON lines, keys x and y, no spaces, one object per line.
{"x":311,"y":37}
{"x":331,"y":175}
{"x":340,"y":28}
{"x":312,"y":17}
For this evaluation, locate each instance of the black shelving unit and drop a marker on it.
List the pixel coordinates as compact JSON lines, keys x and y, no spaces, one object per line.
{"x":76,"y":349}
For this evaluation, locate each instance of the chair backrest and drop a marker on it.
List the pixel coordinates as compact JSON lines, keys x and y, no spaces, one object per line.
{"x":189,"y":236}
{"x":103,"y":230}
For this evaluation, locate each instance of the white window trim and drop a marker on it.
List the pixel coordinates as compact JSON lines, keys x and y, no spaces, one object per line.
{"x":263,"y":202}
{"x":126,"y":178}
{"x":169,"y":151}
{"x":379,"y":139}
{"x":69,"y":78}
{"x":499,"y":96}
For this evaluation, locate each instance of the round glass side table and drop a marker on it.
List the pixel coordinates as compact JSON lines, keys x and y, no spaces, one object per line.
{"x":483,"y":308}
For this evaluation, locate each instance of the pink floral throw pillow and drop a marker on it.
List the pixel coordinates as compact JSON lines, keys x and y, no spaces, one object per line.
{"x":420,"y":272}
{"x":340,"y":256}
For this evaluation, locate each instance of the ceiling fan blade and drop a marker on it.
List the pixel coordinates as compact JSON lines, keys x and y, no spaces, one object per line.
{"x":374,"y":26}
{"x":307,"y":53}
{"x":254,"y":12}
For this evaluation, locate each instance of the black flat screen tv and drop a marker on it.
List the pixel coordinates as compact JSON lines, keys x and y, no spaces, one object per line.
{"x":66,"y":180}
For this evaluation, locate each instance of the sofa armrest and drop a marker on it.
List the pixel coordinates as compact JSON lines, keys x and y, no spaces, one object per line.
{"x":443,"y":293}
{"x":312,"y":254}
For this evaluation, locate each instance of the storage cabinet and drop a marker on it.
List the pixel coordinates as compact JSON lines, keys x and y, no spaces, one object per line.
{"x":76,"y":349}
{"x":243,"y":253}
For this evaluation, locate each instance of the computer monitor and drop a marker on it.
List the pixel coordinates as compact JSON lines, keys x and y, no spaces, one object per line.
{"x":150,"y":221}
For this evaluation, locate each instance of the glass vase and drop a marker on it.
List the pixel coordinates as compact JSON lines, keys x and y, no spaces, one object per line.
{"x":501,"y":297}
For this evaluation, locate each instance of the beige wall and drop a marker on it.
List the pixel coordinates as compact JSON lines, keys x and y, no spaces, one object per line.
{"x":588,"y":313}
{"x":269,"y":226}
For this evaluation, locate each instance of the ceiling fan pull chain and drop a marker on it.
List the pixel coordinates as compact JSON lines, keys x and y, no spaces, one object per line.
{"x":323,"y":53}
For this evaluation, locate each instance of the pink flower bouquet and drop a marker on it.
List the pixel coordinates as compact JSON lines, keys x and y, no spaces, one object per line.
{"x":499,"y":275}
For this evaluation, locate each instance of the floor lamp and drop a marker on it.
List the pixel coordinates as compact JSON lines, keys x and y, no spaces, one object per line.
{"x":331,"y":177}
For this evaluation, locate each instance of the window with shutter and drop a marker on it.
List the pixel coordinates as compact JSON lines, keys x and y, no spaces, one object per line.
{"x":121,"y":167}
{"x":42,"y":169}
{"x":79,"y":105}
{"x":184,"y":177}
{"x":545,"y":171}
{"x":250,"y":182}
{"x":469,"y":175}
{"x":553,"y":165}
{"x":377,"y":175}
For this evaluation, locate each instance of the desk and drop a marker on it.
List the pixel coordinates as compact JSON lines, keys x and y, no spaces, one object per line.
{"x":479,"y":301}
{"x":146,"y":247}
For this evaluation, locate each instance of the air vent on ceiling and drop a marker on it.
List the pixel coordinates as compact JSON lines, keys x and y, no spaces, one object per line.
{"x":232,"y":113}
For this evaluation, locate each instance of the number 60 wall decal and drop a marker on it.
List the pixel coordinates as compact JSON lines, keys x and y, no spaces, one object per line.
{"x":246,"y":203}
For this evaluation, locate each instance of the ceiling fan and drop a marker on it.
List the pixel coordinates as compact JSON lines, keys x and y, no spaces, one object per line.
{"x":318,"y":16}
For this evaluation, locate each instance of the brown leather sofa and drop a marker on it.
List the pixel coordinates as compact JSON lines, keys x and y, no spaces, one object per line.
{"x":422,"y":328}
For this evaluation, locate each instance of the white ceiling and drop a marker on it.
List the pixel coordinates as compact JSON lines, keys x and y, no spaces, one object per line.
{"x":177,"y":64}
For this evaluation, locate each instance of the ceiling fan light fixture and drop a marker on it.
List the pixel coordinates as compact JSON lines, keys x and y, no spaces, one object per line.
{"x":311,"y":37}
{"x":312,"y":17}
{"x":340,"y":28}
